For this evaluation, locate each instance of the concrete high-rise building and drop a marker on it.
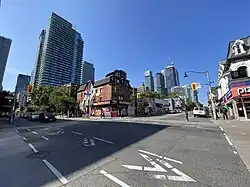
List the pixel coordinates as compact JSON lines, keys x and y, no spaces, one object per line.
{"x":149,"y":81}
{"x":180,"y":90}
{"x":5,"y":44}
{"x":171,"y":77}
{"x":88,"y":72}
{"x":59,"y":55}
{"x":160,"y":85}
{"x":22,"y":82}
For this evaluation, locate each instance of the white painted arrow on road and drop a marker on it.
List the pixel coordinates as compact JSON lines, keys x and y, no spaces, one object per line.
{"x":180,"y":176}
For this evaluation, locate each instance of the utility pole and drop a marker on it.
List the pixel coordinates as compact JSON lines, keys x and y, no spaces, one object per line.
{"x":211,"y":95}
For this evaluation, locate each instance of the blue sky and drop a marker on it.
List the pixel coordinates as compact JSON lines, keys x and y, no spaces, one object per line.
{"x":133,"y":35}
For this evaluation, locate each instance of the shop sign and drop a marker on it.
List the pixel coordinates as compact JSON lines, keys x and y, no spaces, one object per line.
{"x":124,"y":102}
{"x":245,"y":90}
{"x":102,"y":103}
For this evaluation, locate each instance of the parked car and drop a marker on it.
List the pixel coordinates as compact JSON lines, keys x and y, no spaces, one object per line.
{"x":200,"y":112}
{"x":47,"y":117}
{"x":34,"y":116}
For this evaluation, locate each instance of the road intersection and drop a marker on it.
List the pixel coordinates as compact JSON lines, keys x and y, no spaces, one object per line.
{"x":125,"y":153}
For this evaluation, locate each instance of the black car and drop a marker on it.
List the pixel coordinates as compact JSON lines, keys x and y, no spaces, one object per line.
{"x":47,"y":117}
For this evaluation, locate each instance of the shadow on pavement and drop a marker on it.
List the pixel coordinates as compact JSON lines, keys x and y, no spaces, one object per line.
{"x":68,"y":154}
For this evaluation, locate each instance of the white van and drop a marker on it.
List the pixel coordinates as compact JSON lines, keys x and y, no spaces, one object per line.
{"x":200,"y":111}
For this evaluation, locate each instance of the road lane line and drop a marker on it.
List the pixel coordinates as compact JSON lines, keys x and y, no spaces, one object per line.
{"x":45,"y":138}
{"x":28,"y":129}
{"x":116,"y":180}
{"x":17,"y":131}
{"x":153,"y":154}
{"x":34,"y":132}
{"x":25,"y":139}
{"x":32,"y":147}
{"x":103,"y":140}
{"x":221,"y":128}
{"x":77,"y":133}
{"x":55,"y":172}
{"x":228,"y":140}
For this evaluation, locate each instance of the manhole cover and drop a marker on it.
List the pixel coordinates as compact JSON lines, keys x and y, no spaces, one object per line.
{"x":39,"y":155}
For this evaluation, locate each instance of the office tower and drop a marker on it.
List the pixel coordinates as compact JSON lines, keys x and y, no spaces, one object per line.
{"x":21,"y":89}
{"x":187,"y":92}
{"x":149,"y":81}
{"x":22,"y":82}
{"x":36,"y":71}
{"x":4,"y":53}
{"x":88,"y":72}
{"x":194,"y":96}
{"x":171,"y":77}
{"x":160,"y":85}
{"x":60,"y":52}
{"x":179,"y":90}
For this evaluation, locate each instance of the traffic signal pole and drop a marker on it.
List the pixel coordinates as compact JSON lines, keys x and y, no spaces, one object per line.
{"x":211,"y":95}
{"x":206,"y":73}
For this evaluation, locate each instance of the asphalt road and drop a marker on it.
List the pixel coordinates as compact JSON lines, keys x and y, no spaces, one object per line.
{"x":114,"y":153}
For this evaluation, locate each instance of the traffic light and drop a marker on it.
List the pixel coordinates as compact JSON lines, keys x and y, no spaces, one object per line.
{"x":193,"y":86}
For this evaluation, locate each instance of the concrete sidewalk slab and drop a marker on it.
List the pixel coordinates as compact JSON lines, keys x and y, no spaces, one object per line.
{"x":239,"y":133}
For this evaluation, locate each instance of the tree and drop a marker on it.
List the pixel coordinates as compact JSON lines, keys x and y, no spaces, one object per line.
{"x":40,"y":95}
{"x":190,"y":104}
{"x":61,"y":99}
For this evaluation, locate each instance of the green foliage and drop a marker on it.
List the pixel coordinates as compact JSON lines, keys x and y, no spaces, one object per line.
{"x":190,"y":104}
{"x":47,"y":98}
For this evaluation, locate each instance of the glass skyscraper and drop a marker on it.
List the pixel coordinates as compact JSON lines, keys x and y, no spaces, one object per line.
{"x":59,"y":55}
{"x":160,"y":85}
{"x":88,"y":72}
{"x":4,"y":53}
{"x":149,"y":81}
{"x":22,"y":82}
{"x":171,"y":77}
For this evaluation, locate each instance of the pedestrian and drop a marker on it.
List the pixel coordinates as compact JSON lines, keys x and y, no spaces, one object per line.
{"x":224,"y":113}
{"x":186,"y":114}
{"x":102,"y":113}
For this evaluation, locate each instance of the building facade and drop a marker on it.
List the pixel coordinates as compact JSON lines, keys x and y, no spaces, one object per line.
{"x":160,"y":85}
{"x":22,"y":82}
{"x":149,"y":81}
{"x":234,"y":79}
{"x":59,"y":55}
{"x":171,"y":77}
{"x":111,"y":94}
{"x":5,"y":44}
{"x":88,"y":72}
{"x":21,"y":89}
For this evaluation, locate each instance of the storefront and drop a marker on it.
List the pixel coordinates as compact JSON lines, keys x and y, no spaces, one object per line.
{"x":237,"y":100}
{"x":110,"y":108}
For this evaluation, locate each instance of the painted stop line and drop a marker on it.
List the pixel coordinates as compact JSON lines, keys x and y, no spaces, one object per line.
{"x":160,"y":164}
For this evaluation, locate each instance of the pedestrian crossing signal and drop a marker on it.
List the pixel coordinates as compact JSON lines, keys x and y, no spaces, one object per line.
{"x":193,"y":86}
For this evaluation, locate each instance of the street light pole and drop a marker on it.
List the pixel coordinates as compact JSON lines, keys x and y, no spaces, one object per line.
{"x":206,"y":73}
{"x":211,"y":95}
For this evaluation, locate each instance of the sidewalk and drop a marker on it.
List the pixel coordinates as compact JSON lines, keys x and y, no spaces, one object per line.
{"x":4,"y":123}
{"x":239,"y":133}
{"x":17,"y":168}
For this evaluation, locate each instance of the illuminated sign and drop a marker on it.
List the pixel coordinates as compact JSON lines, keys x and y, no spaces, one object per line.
{"x":243,"y":90}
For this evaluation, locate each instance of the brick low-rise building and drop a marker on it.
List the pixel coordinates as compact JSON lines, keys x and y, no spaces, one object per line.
{"x":111,"y":94}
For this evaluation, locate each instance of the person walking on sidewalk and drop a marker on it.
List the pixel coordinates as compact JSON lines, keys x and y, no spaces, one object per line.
{"x":224,"y":113}
{"x":186,"y":114}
